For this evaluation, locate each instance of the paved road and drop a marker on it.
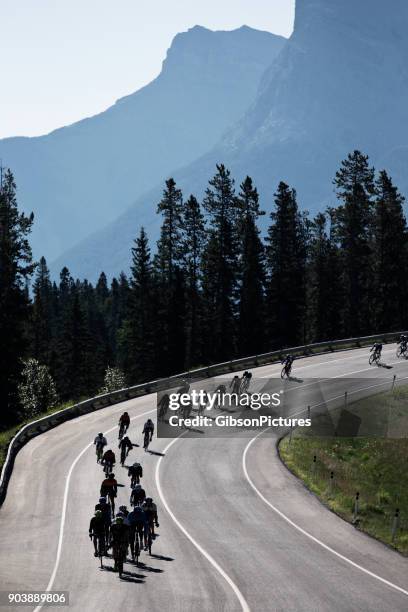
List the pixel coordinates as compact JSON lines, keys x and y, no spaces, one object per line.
{"x":237,"y":531}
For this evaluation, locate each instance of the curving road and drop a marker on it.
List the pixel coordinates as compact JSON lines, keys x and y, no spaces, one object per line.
{"x":237,"y":530}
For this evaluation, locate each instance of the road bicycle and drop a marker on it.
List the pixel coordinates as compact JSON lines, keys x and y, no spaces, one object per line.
{"x":119,"y":556}
{"x":374,"y":358}
{"x":286,"y":370}
{"x":401,"y":350}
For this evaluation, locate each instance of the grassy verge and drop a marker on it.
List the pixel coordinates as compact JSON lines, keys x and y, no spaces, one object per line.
{"x":376,"y":468}
{"x":7,"y":435}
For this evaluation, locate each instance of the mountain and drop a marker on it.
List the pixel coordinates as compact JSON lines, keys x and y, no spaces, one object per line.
{"x":339,"y":83}
{"x":84,"y":175}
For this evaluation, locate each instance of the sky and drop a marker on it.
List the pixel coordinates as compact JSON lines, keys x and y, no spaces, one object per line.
{"x":63,"y":60}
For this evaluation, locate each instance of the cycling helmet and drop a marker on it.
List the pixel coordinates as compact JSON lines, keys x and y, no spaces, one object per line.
{"x":119,"y":520}
{"x":100,"y":435}
{"x":122,"y":509}
{"x":111,"y":475}
{"x":148,"y":500}
{"x":138,"y":486}
{"x":102,"y":500}
{"x":98,"y":513}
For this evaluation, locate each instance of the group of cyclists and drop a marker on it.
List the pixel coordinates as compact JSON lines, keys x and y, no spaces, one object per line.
{"x":135,"y":528}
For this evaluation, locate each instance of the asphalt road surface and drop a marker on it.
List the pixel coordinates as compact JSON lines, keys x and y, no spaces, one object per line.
{"x":237,"y":530}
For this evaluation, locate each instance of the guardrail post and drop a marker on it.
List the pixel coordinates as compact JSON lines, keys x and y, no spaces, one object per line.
{"x":356,"y":506}
{"x":314,"y":465}
{"x":290,"y":435}
{"x":395,"y":525}
{"x":331,"y":483}
{"x":345,"y":400}
{"x":393,"y":382}
{"x":308,"y":412}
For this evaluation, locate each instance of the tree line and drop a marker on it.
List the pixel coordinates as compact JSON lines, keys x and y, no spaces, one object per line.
{"x":215,"y":287}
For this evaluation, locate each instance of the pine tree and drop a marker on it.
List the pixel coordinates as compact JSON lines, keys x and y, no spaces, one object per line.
{"x":16,"y":268}
{"x":169,"y":283}
{"x":137,"y":333}
{"x":352,"y":230}
{"x":390,"y":251}
{"x":325,"y":296}
{"x":193,"y":243}
{"x":220,"y":267}
{"x":43,"y":317}
{"x":251,"y":330}
{"x":286,"y":267}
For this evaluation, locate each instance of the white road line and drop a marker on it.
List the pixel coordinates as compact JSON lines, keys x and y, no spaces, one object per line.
{"x":64,"y":504}
{"x":306,"y":533}
{"x":241,"y":599}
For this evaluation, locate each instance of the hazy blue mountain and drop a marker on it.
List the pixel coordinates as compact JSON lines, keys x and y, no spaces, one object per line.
{"x":78,"y":178}
{"x":339,"y":83}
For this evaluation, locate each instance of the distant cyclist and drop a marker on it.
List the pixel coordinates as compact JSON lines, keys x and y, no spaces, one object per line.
{"x":100,"y":443}
{"x":287,"y":366}
{"x":245,"y":382}
{"x":137,"y":496}
{"x":376,"y":350}
{"x":402,"y":345}
{"x":109,"y":489}
{"x":108,"y":460}
{"x":125,"y":446}
{"x":136,"y":473}
{"x":148,"y":430}
{"x":235,"y":384}
{"x":150,"y":510}
{"x":97,"y":533}
{"x":124,"y":423}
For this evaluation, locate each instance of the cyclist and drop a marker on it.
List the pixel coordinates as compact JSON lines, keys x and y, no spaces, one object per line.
{"x":108,"y":460}
{"x":235,"y":384}
{"x":402,"y":345}
{"x":376,"y":351}
{"x":136,"y":473}
{"x":124,"y":423}
{"x":287,"y":365}
{"x":97,"y":532}
{"x":109,"y":489}
{"x":100,"y":442}
{"x":119,"y":541}
{"x":138,"y":527}
{"x":125,"y":446}
{"x":245,"y":382}
{"x":137,"y":496}
{"x":150,"y":509}
{"x":123,"y":511}
{"x":105,"y":508}
{"x":148,"y":430}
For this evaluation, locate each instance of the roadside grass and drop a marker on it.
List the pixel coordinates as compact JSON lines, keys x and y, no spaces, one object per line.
{"x":6,"y":435}
{"x":375,"y":467}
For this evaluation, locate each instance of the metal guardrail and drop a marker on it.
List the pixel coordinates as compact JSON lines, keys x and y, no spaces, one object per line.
{"x":45,"y":423}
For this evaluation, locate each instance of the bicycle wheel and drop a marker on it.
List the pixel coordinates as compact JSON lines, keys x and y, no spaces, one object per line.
{"x":371,"y":359}
{"x":149,"y":542}
{"x":137,"y":549}
{"x":283,"y":373}
{"x":399,"y":352}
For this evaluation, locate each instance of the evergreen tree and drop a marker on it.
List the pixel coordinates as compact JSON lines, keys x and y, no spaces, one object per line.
{"x":390,"y":254}
{"x":169,"y":281}
{"x":137,"y":334}
{"x":193,"y":243}
{"x":325,"y":291}
{"x":352,"y":229}
{"x":286,"y":266}
{"x":16,"y":268}
{"x":43,"y":327}
{"x":220,"y":267}
{"x":251,"y":330}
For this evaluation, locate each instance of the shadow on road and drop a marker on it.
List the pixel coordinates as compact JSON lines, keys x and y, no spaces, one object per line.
{"x":155,"y":453}
{"x":162,"y":557}
{"x":294,"y":379}
{"x":148,"y":568}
